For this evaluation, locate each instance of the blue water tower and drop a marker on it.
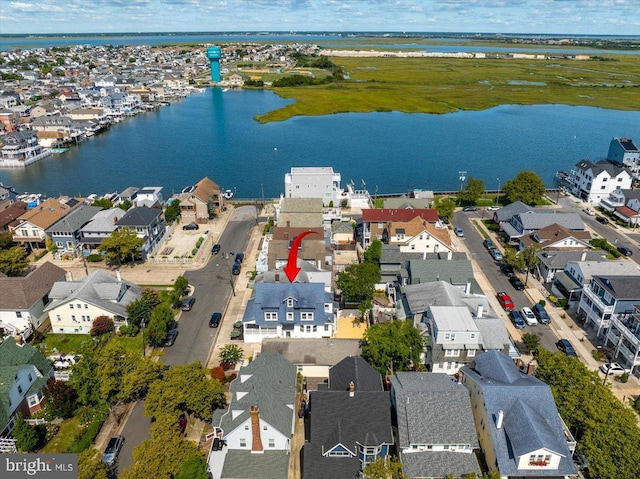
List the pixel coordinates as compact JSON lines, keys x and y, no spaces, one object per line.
{"x":214,"y":54}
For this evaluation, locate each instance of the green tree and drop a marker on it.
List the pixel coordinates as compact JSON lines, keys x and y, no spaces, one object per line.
{"x":172,"y":211}
{"x":151,"y":456}
{"x":606,"y":430}
{"x":231,"y":354}
{"x":6,"y":240}
{"x":373,"y":252}
{"x":104,"y":203}
{"x":25,"y":435}
{"x":391,"y":468}
{"x":530,"y":258}
{"x":445,"y":208}
{"x":184,"y":388}
{"x":531,"y":341}
{"x":90,"y":465}
{"x":121,"y":246}
{"x":180,"y":285}
{"x":13,"y":261}
{"x":358,"y":281}
{"x":151,"y":298}
{"x":113,"y":362}
{"x":125,"y":205}
{"x":161,"y":318}
{"x":514,"y":259}
{"x":138,"y":312}
{"x":393,"y":346}
{"x":193,"y":468}
{"x":135,"y":382}
{"x":473,"y":191}
{"x":84,"y":379}
{"x":61,"y":399}
{"x":527,"y":187}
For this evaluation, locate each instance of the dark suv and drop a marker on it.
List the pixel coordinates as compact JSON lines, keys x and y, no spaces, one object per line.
{"x":541,"y":314}
{"x":624,"y":251}
{"x":215,"y":319}
{"x":191,"y":226}
{"x":602,"y":219}
{"x":239,"y":258}
{"x":566,"y":347}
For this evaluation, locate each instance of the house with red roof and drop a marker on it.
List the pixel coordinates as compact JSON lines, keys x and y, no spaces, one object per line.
{"x":376,"y":221}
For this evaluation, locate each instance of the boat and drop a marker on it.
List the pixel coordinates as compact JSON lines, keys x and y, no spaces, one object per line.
{"x":58,"y":151}
{"x":228,"y":194}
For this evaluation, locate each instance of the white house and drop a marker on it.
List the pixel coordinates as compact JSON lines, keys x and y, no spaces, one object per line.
{"x":76,"y":304}
{"x":418,"y":236}
{"x":594,"y":181}
{"x":314,"y":182}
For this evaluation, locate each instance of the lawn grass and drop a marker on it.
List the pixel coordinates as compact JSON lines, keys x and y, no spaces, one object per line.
{"x":131,"y":345}
{"x":70,"y":431}
{"x":445,"y":85}
{"x":66,"y":343}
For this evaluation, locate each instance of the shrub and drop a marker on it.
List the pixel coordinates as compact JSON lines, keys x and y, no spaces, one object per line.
{"x":94,"y":258}
{"x":199,"y":242}
{"x":624,"y":377}
{"x":542,"y":303}
{"x":636,"y":404}
{"x":598,"y":355}
{"x":194,"y":251}
{"x":230,"y":377}
{"x":101,"y":325}
{"x":130,"y":330}
{"x":89,"y":436}
{"x":218,"y":373}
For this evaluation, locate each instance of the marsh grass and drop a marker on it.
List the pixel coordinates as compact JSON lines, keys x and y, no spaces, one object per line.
{"x":444,"y":85}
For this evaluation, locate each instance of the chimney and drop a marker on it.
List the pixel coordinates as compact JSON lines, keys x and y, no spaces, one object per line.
{"x":352,"y":389}
{"x":277,"y":279}
{"x":449,"y":255}
{"x":118,"y":275}
{"x":256,"y":441}
{"x":424,"y":255}
{"x":18,"y":339}
{"x":499,"y":419}
{"x":531,"y":367}
{"x":584,"y":255}
{"x":479,"y":311}
{"x":69,"y":276}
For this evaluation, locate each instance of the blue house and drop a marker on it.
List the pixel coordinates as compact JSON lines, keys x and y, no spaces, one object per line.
{"x":288,"y":310}
{"x":66,"y":234}
{"x":148,"y":224}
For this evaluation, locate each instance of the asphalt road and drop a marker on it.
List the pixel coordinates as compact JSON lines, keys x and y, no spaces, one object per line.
{"x":491,"y":269}
{"x":212,"y":290}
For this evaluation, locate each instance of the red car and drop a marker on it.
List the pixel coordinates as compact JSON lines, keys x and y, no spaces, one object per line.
{"x":505,"y":301}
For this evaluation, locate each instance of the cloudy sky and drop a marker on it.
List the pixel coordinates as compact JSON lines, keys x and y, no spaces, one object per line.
{"x":616,"y":17}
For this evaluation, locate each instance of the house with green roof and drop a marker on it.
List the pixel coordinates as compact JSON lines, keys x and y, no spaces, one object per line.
{"x":253,"y":436}
{"x":24,"y":372}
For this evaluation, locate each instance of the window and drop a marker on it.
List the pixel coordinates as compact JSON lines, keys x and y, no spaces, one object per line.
{"x":449,"y":353}
{"x":58,"y":317}
{"x":270,"y":316}
{"x":19,"y":389}
{"x":306,"y":316}
{"x":265,"y":428}
{"x":289,"y":303}
{"x":86,"y":306}
{"x":272,"y":442}
{"x":413,"y":246}
{"x":326,"y":327}
{"x":327,"y":307}
{"x":289,"y":315}
{"x":73,"y":317}
{"x":246,"y":427}
{"x":70,"y":305}
{"x":471,"y":353}
{"x":30,"y":378}
{"x":243,"y":442}
{"x":18,"y":314}
{"x":79,"y":306}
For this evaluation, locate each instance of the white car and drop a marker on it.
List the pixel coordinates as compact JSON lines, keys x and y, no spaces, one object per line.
{"x":589,"y":211}
{"x":614,"y":368}
{"x":493,"y":208}
{"x":528,"y":316}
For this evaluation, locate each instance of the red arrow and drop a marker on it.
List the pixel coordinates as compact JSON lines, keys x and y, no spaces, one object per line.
{"x":291,"y":269}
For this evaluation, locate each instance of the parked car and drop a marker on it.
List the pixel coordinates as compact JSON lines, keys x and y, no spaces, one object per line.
{"x":624,"y":251}
{"x":191,"y":226}
{"x":603,"y":220}
{"x":114,"y":447}
{"x":215,"y":319}
{"x":528,"y":316}
{"x":187,"y":304}
{"x":493,"y":208}
{"x":239,"y":258}
{"x":459,"y":232}
{"x":566,"y":347}
{"x":516,"y":283}
{"x":505,"y":301}
{"x":236,"y":269}
{"x":516,"y":319}
{"x":541,"y":314}
{"x":589,"y":211}
{"x":172,"y":334}
{"x":614,"y":368}
{"x":215,"y":249}
{"x":506,"y":268}
{"x":488,"y":243}
{"x":495,"y":254}
{"x":469,"y":208}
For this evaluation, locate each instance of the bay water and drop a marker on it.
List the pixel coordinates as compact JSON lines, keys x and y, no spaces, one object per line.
{"x":214,"y":134}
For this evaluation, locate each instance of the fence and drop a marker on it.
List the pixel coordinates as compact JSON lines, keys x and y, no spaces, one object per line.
{"x":35,"y":422}
{"x":8,"y":446}
{"x":62,"y":375}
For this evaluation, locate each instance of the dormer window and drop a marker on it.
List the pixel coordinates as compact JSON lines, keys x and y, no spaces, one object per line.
{"x":289,"y":302}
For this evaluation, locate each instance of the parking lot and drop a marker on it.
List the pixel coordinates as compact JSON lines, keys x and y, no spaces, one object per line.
{"x":181,"y":243}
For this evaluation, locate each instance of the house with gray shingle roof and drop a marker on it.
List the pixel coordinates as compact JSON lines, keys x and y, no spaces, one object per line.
{"x":99,"y":228}
{"x":354,"y":370}
{"x":348,"y":430}
{"x":254,"y":433}
{"x":593,"y":182}
{"x":435,"y":431}
{"x":504,"y":214}
{"x":288,"y":310}
{"x":552,"y":262}
{"x":526,"y":223}
{"x":520,"y":431}
{"x":76,"y":304}
{"x":23,"y":299}
{"x":608,"y":295}
{"x":148,"y":223}
{"x":24,"y":372}
{"x":457,"y":272}
{"x":65,"y":233}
